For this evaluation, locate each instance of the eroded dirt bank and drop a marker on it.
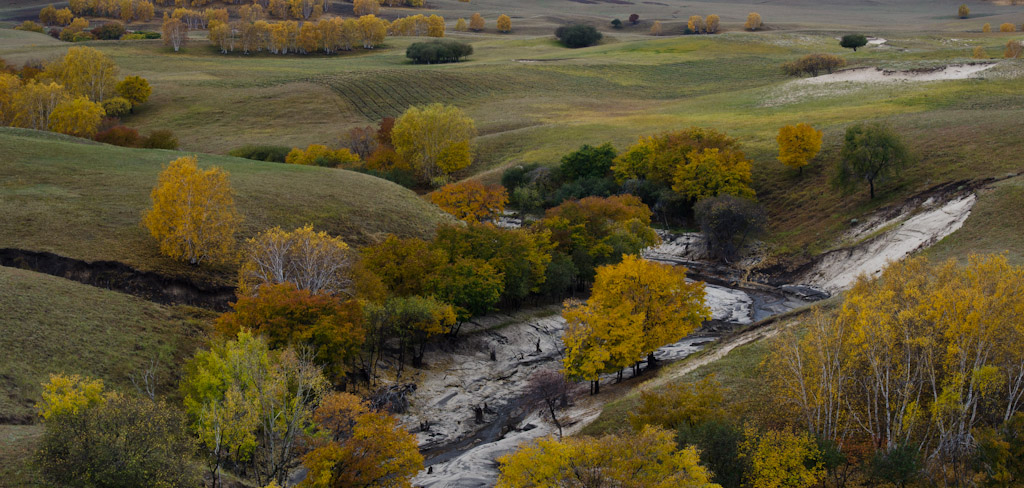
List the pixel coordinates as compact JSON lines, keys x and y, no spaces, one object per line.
{"x":120,"y":277}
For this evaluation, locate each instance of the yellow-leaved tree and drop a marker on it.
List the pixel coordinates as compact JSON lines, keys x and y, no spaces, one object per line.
{"x":460,"y":25}
{"x":85,"y":71}
{"x":922,"y":356}
{"x":753,"y":21}
{"x":649,"y":459}
{"x":366,"y":7}
{"x":712,"y":172}
{"x":435,"y":26}
{"x":635,"y":307}
{"x":656,"y":28}
{"x":695,"y":24}
{"x":435,"y":139}
{"x":79,"y":117}
{"x":69,"y":395}
{"x":174,"y":32}
{"x":798,"y":144}
{"x":782,"y":459}
{"x":669,"y":307}
{"x":9,"y":85}
{"x":504,"y":23}
{"x":712,"y":23}
{"x":193,"y":217}
{"x":34,"y":103}
{"x":471,"y":201}
{"x":135,"y":89}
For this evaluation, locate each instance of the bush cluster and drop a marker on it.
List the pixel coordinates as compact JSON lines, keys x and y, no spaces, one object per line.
{"x":578,"y":35}
{"x":438,"y":51}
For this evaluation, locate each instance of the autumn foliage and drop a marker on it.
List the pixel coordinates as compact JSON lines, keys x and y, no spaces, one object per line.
{"x":648,"y":459}
{"x":471,"y":201}
{"x":635,"y":307}
{"x":924,"y":356}
{"x":356,"y":446}
{"x":287,"y":316}
{"x":193,"y":217}
{"x":435,"y":139}
{"x":798,"y":144}
{"x":753,"y":21}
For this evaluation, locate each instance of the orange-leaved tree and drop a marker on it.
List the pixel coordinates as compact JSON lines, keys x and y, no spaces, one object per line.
{"x":476,"y":22}
{"x":471,"y":201}
{"x":193,"y":217}
{"x":504,"y":23}
{"x":356,"y":446}
{"x":286,"y":316}
{"x":798,"y":144}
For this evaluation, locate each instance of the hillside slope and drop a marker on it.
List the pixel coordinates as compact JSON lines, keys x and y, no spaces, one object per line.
{"x":84,"y":200}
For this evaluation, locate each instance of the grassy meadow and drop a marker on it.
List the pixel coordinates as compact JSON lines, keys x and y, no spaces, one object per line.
{"x":534,"y":100}
{"x":85,"y":200}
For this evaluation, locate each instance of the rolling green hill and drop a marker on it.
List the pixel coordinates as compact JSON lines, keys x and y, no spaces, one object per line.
{"x":84,"y":200}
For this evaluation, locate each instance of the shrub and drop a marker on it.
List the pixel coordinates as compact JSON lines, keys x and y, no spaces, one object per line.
{"x":120,"y":136}
{"x":576,"y":36}
{"x":634,"y":18}
{"x":986,"y":28}
{"x":123,"y":441}
{"x":438,"y":51}
{"x":853,"y":41}
{"x":963,"y":11}
{"x":1013,"y":50}
{"x":616,"y":24}
{"x":117,"y":107}
{"x":1007,"y":27}
{"x":813,"y":64}
{"x":273,"y":154}
{"x":109,"y":31}
{"x":160,"y":139}
{"x":30,"y":26}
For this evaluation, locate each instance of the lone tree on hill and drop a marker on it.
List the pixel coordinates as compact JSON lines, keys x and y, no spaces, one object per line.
{"x":798,"y":144}
{"x":617,"y":24}
{"x":193,"y":215}
{"x":963,"y":11}
{"x":504,"y":23}
{"x":634,"y":18}
{"x":753,"y":21}
{"x":853,"y":41}
{"x":871,"y":152}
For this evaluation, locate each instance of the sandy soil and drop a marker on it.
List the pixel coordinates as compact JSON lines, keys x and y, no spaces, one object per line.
{"x":875,"y":75}
{"x":902,"y":236}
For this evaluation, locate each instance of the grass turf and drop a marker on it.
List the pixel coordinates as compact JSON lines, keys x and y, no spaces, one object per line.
{"x":85,"y":200}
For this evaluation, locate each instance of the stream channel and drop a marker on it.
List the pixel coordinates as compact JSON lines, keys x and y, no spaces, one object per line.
{"x":461,"y":451}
